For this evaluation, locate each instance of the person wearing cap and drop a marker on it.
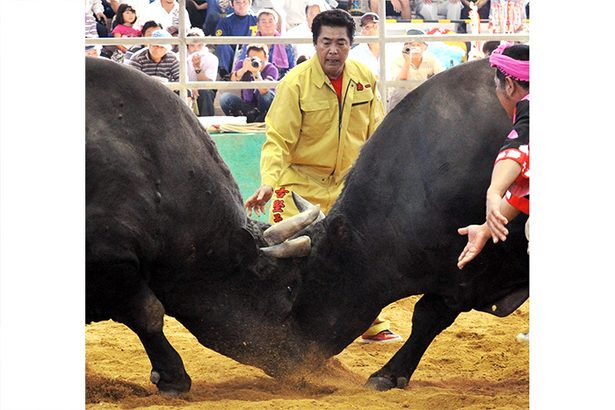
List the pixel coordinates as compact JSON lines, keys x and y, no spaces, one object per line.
{"x":202,"y":66}
{"x":323,"y":112}
{"x":253,"y":103}
{"x":157,"y":60}
{"x":147,"y":30}
{"x":278,"y":8}
{"x":241,"y":22}
{"x":280,"y":55}
{"x":305,"y":51}
{"x":414,"y":64}
{"x":368,"y":53}
{"x":508,"y":192}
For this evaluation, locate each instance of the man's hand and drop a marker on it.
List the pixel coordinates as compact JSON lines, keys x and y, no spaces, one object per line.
{"x":258,"y":201}
{"x":196,"y":61}
{"x":478,"y":235}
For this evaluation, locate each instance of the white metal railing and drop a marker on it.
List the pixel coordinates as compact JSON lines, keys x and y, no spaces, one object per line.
{"x":181,"y":40}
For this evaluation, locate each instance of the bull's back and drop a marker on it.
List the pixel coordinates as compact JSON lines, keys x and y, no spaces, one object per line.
{"x":154,"y":179}
{"x":424,"y":173}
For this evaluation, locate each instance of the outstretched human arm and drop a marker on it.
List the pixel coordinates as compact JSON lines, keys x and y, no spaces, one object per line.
{"x":283,"y":125}
{"x":504,"y":174}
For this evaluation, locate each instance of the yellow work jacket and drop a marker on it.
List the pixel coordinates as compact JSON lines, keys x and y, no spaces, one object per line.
{"x":310,"y":132}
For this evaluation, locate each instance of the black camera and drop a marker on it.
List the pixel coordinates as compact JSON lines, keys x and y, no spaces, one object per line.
{"x":407,"y":50}
{"x":255,"y":61}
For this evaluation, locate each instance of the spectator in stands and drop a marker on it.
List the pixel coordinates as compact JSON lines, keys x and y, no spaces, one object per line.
{"x":483,"y":7}
{"x":241,"y":22}
{"x":147,"y":30}
{"x":253,"y":103}
{"x":433,"y":9}
{"x":368,"y":53}
{"x":95,"y":19}
{"x":414,"y":64}
{"x":280,"y":55}
{"x":304,"y":51}
{"x":216,"y":9}
{"x":157,"y":60}
{"x":202,"y":66}
{"x":277,"y":6}
{"x":197,"y":10}
{"x":165,"y":12}
{"x":123,"y":27}
{"x":138,"y":5}
{"x":394,"y":8}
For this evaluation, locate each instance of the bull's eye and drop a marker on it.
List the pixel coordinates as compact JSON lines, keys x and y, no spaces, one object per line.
{"x":289,"y":289}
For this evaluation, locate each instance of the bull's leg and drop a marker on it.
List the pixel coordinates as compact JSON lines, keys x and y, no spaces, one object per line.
{"x":431,"y":316}
{"x":130,"y":301}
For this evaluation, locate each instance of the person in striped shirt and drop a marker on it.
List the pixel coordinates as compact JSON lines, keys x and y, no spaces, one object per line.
{"x":157,"y":60}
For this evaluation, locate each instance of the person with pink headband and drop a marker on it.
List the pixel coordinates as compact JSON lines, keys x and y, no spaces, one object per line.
{"x":508,"y":193}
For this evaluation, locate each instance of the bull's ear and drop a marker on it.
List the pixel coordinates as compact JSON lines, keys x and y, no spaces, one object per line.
{"x":243,"y":248}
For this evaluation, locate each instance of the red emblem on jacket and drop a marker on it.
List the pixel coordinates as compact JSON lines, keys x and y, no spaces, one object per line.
{"x":359,"y":87}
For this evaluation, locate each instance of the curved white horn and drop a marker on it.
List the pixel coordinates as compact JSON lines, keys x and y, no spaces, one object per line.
{"x":291,"y":248}
{"x":303,"y":204}
{"x":281,"y":231}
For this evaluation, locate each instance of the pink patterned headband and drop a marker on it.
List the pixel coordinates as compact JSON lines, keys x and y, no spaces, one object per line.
{"x":517,"y":69}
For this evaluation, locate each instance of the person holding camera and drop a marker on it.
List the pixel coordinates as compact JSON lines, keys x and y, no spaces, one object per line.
{"x":415,"y":65}
{"x":253,"y":103}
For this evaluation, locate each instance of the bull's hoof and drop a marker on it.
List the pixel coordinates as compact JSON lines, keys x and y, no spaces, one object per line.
{"x":171,"y":387}
{"x":402,"y":382}
{"x":379,"y":383}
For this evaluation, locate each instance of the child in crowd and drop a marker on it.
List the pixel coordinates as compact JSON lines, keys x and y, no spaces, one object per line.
{"x":125,"y":18}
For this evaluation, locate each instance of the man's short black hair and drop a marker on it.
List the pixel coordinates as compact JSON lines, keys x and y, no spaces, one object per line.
{"x":333,"y":18}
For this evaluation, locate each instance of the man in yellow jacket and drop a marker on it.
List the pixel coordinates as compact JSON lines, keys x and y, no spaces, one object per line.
{"x":323,"y":112}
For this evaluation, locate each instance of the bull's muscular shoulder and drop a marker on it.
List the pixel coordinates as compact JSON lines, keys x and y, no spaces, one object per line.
{"x":141,"y":135}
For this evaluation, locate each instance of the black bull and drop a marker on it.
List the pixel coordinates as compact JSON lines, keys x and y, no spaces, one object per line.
{"x":166,"y":232}
{"x":393,"y":230}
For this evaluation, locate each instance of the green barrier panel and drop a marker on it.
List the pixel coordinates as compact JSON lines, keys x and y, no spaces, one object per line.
{"x":242,"y":154}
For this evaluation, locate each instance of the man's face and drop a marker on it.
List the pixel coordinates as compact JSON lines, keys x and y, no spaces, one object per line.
{"x":312,"y":12}
{"x":332,"y":48}
{"x":242,"y":7}
{"x":266,"y":24}
{"x":193,"y":48}
{"x":370,"y":28}
{"x":157,"y":52}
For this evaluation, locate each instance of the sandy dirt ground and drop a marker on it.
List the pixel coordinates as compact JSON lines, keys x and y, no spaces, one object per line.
{"x":475,"y":364}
